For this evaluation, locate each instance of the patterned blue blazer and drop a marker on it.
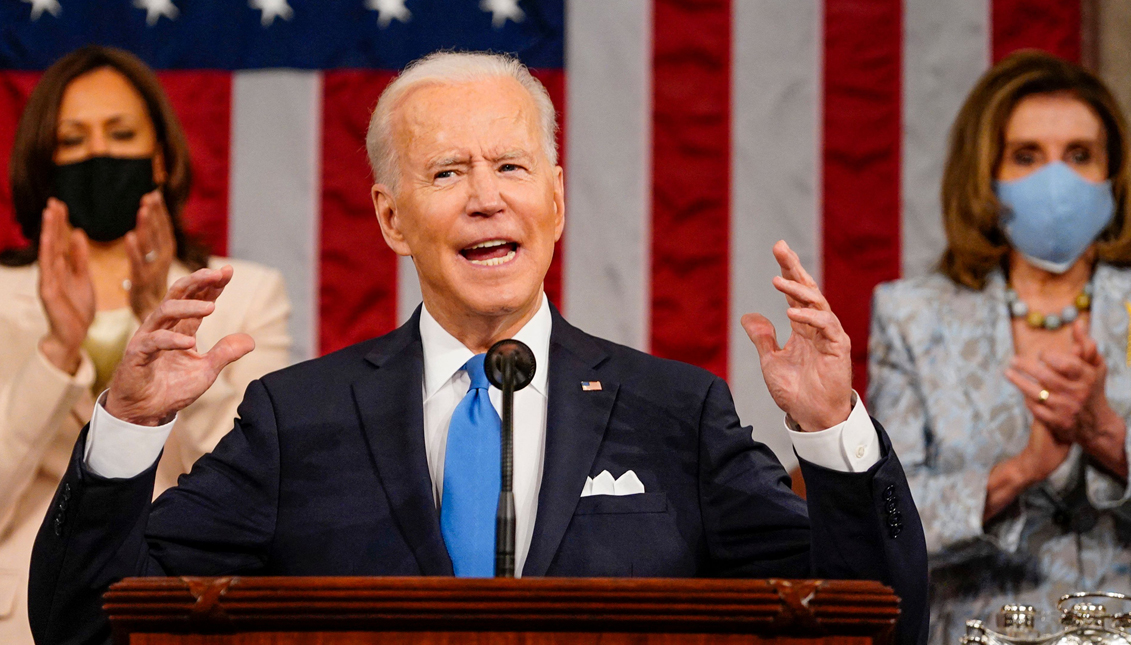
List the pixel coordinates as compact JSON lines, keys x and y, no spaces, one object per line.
{"x":937,"y":356}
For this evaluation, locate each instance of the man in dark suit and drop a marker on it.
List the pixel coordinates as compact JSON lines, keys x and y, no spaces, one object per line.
{"x":356,"y":463}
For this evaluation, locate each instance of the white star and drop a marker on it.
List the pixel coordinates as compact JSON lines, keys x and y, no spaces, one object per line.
{"x":154,"y":9}
{"x":272,"y":9}
{"x":389,"y":10}
{"x":502,"y":11}
{"x":39,"y":6}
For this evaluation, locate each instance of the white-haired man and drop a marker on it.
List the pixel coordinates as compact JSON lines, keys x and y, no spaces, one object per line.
{"x":382,"y":459}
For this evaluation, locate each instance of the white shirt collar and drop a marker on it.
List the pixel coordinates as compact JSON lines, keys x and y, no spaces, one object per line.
{"x":444,"y":355}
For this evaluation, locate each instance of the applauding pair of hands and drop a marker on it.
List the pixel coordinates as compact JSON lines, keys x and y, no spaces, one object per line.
{"x":810,"y":377}
{"x":1065,"y":393}
{"x":67,"y":278}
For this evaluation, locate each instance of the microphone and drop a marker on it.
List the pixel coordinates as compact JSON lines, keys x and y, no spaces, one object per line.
{"x":510,"y":367}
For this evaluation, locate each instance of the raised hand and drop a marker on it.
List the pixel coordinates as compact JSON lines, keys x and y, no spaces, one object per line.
{"x":810,"y":378}
{"x":151,"y":249}
{"x":65,"y":287}
{"x":161,"y":371}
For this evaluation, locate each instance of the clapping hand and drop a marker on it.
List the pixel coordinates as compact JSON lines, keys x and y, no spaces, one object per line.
{"x":161,"y":371}
{"x":1065,"y":392}
{"x":151,"y":249}
{"x":65,"y":287}
{"x":810,"y":378}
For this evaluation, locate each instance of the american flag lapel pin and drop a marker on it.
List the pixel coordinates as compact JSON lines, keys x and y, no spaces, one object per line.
{"x":590,"y":386}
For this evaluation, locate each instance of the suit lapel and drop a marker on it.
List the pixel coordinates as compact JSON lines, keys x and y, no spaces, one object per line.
{"x":575,"y":426}
{"x":390,"y":404}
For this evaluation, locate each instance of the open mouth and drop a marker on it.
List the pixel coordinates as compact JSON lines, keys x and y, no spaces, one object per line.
{"x":490,"y":253}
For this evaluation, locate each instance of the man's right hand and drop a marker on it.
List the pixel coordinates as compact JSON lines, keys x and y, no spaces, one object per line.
{"x":161,"y":372}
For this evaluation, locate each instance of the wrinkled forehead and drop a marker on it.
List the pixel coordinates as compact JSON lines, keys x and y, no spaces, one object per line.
{"x":480,"y":114}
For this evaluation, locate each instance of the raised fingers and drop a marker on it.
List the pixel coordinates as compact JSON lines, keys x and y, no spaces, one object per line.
{"x":822,"y":321}
{"x":171,"y":312}
{"x":230,"y":349}
{"x":164,"y":340}
{"x":205,"y":284}
{"x":790,"y":264}
{"x":761,"y":332}
{"x":800,"y":294}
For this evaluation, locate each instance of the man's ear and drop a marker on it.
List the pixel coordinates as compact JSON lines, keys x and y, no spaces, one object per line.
{"x":559,"y":202}
{"x":388,"y":217}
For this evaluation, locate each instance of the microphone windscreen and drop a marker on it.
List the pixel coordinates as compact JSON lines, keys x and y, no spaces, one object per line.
{"x":518,"y":355}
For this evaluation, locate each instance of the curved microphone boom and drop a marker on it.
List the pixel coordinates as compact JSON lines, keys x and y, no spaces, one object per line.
{"x":510,"y":367}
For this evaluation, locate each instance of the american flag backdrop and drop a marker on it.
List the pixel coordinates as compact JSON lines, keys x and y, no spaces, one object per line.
{"x":695,"y":134}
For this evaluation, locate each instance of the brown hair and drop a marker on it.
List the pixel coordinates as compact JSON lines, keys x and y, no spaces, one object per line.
{"x":32,"y":167}
{"x":976,"y":244}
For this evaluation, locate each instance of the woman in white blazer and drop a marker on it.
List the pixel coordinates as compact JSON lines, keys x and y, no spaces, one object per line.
{"x":100,"y":174}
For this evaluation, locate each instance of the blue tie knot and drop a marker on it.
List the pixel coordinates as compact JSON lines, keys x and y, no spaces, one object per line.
{"x":476,"y":370}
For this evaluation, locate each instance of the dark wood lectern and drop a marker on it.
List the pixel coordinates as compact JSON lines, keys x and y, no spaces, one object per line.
{"x":333,"y":611}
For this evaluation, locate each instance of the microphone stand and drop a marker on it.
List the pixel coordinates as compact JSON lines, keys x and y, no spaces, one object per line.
{"x":510,"y":366}
{"x":504,"y":518}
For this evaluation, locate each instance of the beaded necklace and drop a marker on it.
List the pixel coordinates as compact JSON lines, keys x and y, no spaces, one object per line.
{"x":1035,"y":319}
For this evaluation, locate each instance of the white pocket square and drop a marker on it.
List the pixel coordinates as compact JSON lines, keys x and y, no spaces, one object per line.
{"x":604,"y":484}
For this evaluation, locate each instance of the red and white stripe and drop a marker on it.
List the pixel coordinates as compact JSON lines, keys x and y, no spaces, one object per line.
{"x":696,"y":134}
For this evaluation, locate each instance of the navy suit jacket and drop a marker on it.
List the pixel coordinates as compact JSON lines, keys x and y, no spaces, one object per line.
{"x":325,"y":474}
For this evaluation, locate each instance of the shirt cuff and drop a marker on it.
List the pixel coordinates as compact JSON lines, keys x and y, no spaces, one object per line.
{"x":851,"y":447}
{"x":119,"y":449}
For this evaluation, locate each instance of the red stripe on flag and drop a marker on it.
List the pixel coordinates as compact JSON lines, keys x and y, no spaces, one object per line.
{"x":1052,"y":25}
{"x":691,"y":181}
{"x":15,"y":87}
{"x":554,"y":80}
{"x":203,"y":103}
{"x":861,"y":166}
{"x":358,"y":271}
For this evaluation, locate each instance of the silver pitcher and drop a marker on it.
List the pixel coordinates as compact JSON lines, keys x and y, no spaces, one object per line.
{"x":1082,"y":621}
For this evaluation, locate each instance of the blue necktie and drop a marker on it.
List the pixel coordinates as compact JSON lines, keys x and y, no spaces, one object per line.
{"x":472,"y":479}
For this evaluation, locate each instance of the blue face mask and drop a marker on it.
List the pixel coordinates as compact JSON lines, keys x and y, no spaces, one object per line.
{"x":1054,"y":214}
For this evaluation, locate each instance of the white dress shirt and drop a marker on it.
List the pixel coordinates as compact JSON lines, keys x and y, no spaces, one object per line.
{"x":118,"y":449}
{"x":445,"y":385}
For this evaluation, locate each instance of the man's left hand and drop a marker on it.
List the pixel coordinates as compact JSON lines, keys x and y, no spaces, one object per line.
{"x":810,"y":378}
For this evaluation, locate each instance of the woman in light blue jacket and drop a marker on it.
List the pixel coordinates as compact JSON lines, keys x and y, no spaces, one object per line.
{"x":1004,"y":377}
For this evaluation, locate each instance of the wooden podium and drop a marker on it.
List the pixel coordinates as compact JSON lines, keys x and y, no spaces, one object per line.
{"x":334,"y":611}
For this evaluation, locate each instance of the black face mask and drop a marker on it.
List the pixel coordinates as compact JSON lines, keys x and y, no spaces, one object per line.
{"x":103,"y":194}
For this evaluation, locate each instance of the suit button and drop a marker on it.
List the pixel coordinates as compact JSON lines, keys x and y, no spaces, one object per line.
{"x":62,"y":506}
{"x":59,"y":524}
{"x":889,"y":492}
{"x":890,"y":506}
{"x":895,"y":531}
{"x":895,"y":519}
{"x":67,"y":492}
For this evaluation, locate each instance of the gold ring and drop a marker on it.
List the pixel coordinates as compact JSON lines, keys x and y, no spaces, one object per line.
{"x":1043,"y":396}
